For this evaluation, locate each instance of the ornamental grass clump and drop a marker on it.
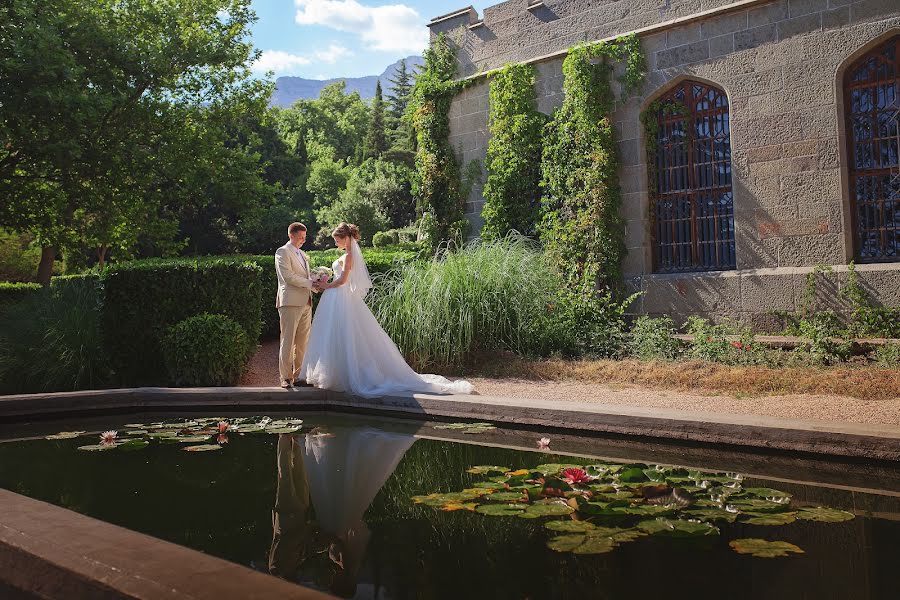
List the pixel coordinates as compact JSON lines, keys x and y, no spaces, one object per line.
{"x":484,"y":296}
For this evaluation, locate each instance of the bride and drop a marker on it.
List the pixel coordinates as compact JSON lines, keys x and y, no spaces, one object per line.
{"x":348,"y":350}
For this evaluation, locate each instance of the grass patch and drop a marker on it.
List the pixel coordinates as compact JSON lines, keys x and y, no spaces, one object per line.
{"x":864,"y":382}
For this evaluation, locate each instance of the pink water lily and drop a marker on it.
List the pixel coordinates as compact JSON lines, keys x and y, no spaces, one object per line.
{"x":108,"y":437}
{"x":222,"y":439}
{"x":223,"y":426}
{"x":572,"y":476}
{"x":543,"y":443}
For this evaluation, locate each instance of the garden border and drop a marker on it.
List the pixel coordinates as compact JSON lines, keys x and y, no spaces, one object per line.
{"x":822,"y":438}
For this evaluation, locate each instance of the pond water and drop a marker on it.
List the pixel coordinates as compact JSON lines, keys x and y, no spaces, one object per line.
{"x":384,"y":509}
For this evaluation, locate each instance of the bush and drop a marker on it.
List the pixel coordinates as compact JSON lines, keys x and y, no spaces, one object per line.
{"x":888,"y":356}
{"x":653,"y":339}
{"x":353,"y":208}
{"x":713,"y":343}
{"x":385,"y":238}
{"x":144,"y":298}
{"x":821,"y":344}
{"x":13,"y":293}
{"x":52,"y":341}
{"x":206,"y":350}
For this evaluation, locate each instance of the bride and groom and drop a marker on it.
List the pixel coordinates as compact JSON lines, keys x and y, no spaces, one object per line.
{"x":344,"y":347}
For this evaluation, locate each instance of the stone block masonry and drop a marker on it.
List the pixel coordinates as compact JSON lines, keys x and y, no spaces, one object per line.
{"x":781,"y":65}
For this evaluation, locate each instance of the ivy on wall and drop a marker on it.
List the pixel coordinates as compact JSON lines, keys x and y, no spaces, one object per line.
{"x":512,"y":191}
{"x":581,"y":227}
{"x":437,"y":185}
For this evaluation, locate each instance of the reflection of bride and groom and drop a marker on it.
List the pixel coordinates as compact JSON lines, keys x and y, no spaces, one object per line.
{"x":333,"y":476}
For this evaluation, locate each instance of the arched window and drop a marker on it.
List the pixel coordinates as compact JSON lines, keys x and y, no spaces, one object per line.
{"x":692,"y":206}
{"x":872,"y":106}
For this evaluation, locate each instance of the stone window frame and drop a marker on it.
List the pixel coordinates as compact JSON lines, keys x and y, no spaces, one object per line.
{"x":652,"y":247}
{"x":851,"y":231}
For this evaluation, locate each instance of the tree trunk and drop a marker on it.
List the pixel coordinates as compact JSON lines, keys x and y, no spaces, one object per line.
{"x":45,"y":269}
{"x":101,"y":255}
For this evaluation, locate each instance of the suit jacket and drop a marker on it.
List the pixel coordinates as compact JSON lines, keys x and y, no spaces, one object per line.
{"x":294,"y":284}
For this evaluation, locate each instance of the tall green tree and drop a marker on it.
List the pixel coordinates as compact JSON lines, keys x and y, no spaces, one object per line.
{"x":376,"y":140}
{"x":114,"y":112}
{"x":403,"y":137}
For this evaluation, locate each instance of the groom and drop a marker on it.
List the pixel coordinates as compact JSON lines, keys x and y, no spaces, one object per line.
{"x":294,"y":304}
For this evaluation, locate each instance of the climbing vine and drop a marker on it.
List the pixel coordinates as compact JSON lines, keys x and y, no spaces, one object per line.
{"x":512,"y":192}
{"x":437,"y":186}
{"x":650,"y":121}
{"x":581,"y":227}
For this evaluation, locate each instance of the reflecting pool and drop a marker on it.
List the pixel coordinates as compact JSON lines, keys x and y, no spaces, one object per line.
{"x":375,"y":508}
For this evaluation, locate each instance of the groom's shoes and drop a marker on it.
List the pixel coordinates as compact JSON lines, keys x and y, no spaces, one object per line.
{"x":301,"y":383}
{"x":286,"y":384}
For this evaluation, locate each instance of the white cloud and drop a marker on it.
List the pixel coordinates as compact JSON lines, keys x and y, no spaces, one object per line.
{"x":279,"y":61}
{"x":391,"y":28}
{"x":333,"y":53}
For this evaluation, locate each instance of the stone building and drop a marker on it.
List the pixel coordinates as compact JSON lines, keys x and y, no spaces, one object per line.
{"x":791,"y":161}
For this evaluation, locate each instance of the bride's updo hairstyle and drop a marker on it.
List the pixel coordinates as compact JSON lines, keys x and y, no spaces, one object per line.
{"x":346,"y":229}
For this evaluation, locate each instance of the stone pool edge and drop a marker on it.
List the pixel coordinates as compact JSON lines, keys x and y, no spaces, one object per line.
{"x":825,"y":438}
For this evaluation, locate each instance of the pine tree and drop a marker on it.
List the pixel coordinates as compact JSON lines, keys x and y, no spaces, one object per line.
{"x":376,"y":139}
{"x":402,"y":88}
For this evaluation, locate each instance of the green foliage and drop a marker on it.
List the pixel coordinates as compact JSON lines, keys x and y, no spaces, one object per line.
{"x":512,"y":191}
{"x":888,"y":356}
{"x":352,"y":207}
{"x":115,"y":113}
{"x":821,"y":344}
{"x":715,"y":343}
{"x":12,"y":293}
{"x":653,"y":339}
{"x":206,"y":350}
{"x":385,"y":238}
{"x":388,"y":186}
{"x":144,"y":298}
{"x":481,"y":297}
{"x":867,"y":319}
{"x":327,"y":177}
{"x":51,"y":340}
{"x":437,"y":184}
{"x":581,"y":226}
{"x":19,"y":256}
{"x":375,"y":143}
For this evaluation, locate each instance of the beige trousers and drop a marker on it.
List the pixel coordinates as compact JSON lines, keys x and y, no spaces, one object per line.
{"x":295,"y":322}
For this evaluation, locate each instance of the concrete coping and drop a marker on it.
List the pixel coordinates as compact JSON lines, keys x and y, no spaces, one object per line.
{"x":824,"y":438}
{"x":469,"y":10}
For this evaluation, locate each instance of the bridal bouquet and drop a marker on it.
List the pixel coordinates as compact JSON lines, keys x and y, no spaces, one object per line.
{"x":321,"y":274}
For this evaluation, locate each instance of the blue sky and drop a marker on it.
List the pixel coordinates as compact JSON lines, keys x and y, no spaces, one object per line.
{"x":321,"y":39}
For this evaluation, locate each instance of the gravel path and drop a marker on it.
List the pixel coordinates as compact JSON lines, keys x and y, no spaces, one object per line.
{"x":263,"y":371}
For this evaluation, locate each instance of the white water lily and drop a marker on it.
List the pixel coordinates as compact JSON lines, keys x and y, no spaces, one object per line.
{"x":108,"y":437}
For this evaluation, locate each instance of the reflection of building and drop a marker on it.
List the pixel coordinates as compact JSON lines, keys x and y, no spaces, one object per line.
{"x":782,"y":153}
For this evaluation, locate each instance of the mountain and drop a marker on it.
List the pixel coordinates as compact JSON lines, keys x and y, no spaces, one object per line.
{"x":290,"y":89}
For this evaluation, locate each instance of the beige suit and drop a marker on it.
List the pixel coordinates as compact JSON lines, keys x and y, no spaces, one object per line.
{"x":294,"y":304}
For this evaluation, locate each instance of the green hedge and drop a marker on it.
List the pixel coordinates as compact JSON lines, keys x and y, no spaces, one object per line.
{"x":378,"y":260}
{"x":12,"y":293}
{"x":142,"y":299}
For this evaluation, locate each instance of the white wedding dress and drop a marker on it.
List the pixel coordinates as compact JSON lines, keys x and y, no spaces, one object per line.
{"x":349,"y":351}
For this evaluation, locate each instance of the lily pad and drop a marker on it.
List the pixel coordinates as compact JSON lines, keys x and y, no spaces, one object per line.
{"x":824,"y":514}
{"x":500,"y":510}
{"x":566,"y":543}
{"x":475,"y":430}
{"x":767,"y":493}
{"x":136,"y":432}
{"x":771,"y":518}
{"x":764,"y":548}
{"x":469,"y":506}
{"x":632,"y":475}
{"x":484,"y":469}
{"x":97,"y":447}
{"x":508,"y":497}
{"x":134,"y":445}
{"x":282,"y":429}
{"x":711,"y":514}
{"x":554,"y":509}
{"x":65,"y":435}
{"x":135,"y":425}
{"x":203,"y":448}
{"x":677,"y":528}
{"x":192,"y":439}
{"x":570,"y":526}
{"x":595,"y":545}
{"x":553,"y":468}
{"x":756,"y":505}
{"x":648,"y":510}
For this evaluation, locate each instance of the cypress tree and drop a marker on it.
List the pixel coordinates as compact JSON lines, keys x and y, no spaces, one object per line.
{"x":376,"y":140}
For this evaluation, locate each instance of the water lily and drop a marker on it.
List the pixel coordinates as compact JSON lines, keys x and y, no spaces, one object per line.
{"x":222,"y":439}
{"x":108,"y":437}
{"x":543,"y":443}
{"x":572,"y":476}
{"x":223,"y":426}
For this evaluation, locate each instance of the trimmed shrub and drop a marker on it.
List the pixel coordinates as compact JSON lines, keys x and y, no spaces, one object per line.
{"x":12,"y":293}
{"x":206,"y":350}
{"x":385,"y":238}
{"x":652,"y":339}
{"x":143,"y":299}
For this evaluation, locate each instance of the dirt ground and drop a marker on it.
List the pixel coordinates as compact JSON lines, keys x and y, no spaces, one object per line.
{"x":263,"y":371}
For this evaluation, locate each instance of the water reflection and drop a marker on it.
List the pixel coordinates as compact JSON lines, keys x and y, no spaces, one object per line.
{"x":326,"y":481}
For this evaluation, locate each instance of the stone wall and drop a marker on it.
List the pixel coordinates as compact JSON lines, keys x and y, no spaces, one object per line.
{"x":781,"y":65}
